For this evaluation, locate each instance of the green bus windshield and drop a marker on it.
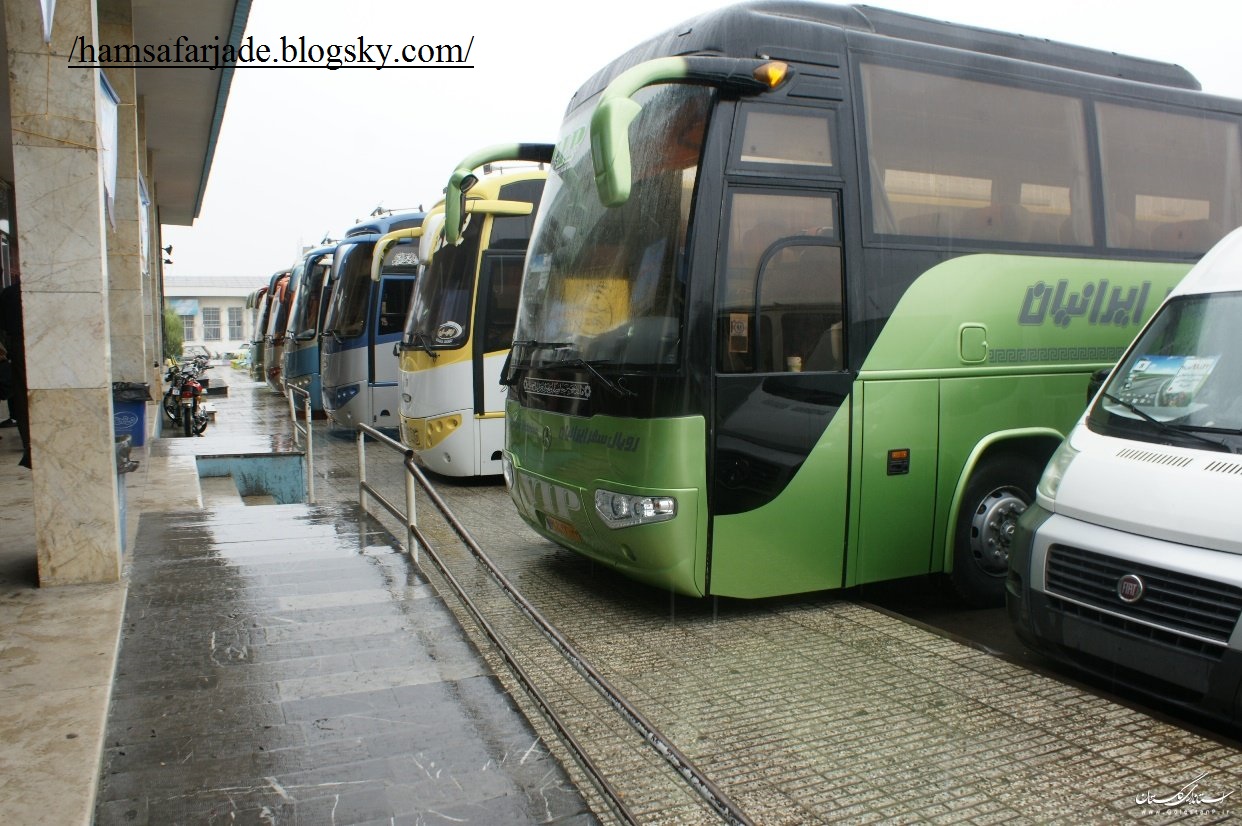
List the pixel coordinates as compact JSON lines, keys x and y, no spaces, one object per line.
{"x":610,"y":282}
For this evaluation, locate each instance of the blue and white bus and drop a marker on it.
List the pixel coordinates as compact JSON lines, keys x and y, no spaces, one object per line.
{"x":357,"y":362}
{"x":301,"y":353}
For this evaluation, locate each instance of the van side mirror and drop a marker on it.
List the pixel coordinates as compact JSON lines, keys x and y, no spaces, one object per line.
{"x":1096,"y":382}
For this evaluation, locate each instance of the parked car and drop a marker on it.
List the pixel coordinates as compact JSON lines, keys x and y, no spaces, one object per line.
{"x":1129,"y":563}
{"x":191,"y":351}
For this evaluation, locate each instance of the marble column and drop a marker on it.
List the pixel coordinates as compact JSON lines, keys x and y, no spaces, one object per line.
{"x":58,"y":186}
{"x":123,"y":234}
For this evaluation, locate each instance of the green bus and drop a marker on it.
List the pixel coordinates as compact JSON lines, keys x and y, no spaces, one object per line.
{"x":815,"y":291}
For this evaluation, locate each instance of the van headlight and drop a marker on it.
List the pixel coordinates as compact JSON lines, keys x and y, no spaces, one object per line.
{"x":1050,"y":482}
{"x":620,"y":510}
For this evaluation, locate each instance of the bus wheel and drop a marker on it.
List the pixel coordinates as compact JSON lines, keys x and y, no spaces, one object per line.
{"x":998,"y":492}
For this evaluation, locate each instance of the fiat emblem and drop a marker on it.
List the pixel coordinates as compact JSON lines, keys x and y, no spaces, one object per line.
{"x":1130,"y":588}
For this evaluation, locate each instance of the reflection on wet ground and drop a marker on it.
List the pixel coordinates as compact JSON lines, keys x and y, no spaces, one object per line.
{"x":287,"y":664}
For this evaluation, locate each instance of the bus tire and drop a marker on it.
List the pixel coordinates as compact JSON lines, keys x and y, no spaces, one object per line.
{"x":999,"y":490}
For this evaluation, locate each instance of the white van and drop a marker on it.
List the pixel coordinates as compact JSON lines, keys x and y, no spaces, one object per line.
{"x":1129,"y":563}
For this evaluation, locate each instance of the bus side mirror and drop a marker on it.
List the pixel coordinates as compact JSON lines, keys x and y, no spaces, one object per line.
{"x":1096,"y":382}
{"x":610,"y":149}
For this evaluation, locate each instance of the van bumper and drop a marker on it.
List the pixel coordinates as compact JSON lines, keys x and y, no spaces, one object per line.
{"x":1061,"y":596}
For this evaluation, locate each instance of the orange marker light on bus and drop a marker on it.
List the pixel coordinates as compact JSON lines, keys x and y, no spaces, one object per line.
{"x":772,"y":73}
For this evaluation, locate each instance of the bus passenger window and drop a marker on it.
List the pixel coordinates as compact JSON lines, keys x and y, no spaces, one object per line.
{"x":956,"y":159}
{"x":1170,"y":180}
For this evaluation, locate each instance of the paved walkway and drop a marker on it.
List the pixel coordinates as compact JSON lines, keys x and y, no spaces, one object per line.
{"x":286,"y":664}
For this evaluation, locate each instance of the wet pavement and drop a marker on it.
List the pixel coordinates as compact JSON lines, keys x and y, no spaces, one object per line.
{"x":285,"y":663}
{"x":288,"y":664}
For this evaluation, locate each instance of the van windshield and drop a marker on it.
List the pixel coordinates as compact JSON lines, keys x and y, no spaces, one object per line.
{"x":1181,"y":382}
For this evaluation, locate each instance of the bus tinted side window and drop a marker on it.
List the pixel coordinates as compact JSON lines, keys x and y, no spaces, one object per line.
{"x":503,"y":279}
{"x":951,"y":158}
{"x":781,"y":295}
{"x":394,"y":301}
{"x":1171,"y":181}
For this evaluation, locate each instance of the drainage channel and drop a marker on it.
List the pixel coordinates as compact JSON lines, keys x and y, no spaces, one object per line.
{"x":418,"y":542}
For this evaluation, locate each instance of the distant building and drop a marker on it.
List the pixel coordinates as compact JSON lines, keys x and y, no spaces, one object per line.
{"x":213,"y":309}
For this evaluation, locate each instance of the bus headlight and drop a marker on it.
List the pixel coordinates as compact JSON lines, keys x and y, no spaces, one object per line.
{"x":621,"y":510}
{"x":506,"y":469}
{"x":1050,"y":482}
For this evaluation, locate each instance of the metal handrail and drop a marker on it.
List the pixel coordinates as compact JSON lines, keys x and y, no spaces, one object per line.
{"x":729,"y":811}
{"x":306,"y":430}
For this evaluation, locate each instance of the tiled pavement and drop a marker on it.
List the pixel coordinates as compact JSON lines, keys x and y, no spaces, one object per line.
{"x":288,"y":664}
{"x":810,"y":709}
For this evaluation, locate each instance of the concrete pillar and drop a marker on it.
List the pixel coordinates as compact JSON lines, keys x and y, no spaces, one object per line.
{"x":58,"y":187}
{"x":123,"y":235}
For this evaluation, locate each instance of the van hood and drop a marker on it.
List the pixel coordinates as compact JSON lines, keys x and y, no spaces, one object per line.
{"x":1192,"y":497}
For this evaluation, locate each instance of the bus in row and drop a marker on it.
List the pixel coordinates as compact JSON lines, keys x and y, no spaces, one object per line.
{"x":460,"y":322}
{"x":300,"y":363}
{"x":815,"y":291}
{"x":362,"y":325}
{"x":280,"y":299}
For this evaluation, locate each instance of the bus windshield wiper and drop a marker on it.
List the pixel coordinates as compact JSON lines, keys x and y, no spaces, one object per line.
{"x":604,"y":380}
{"x":541,"y":345}
{"x":508,"y":375}
{"x":1166,"y":427}
{"x":419,"y":339}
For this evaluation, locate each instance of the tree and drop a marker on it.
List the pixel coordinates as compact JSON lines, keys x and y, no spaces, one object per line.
{"x":174,"y":334}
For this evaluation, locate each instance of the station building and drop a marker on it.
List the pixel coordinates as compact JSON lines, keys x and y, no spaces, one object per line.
{"x":93,"y":160}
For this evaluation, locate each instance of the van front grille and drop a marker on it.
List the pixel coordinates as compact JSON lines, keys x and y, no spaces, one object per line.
{"x":1183,"y":604}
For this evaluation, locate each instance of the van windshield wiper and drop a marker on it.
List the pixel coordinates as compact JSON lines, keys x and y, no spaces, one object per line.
{"x":1166,"y":427}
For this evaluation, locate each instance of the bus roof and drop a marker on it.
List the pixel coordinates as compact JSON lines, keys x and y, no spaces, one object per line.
{"x":756,"y":28}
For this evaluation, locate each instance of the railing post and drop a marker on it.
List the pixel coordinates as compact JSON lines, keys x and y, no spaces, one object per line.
{"x":362,"y":471}
{"x":410,"y":519}
{"x":310,"y":453}
{"x":293,"y":415}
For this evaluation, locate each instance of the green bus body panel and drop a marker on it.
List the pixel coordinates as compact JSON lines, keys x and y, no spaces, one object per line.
{"x":896,"y":509}
{"x":1034,"y":311}
{"x":796,"y":542}
{"x":576,"y":456}
{"x":976,"y":347}
{"x":1010,"y":341}
{"x":975,"y":408}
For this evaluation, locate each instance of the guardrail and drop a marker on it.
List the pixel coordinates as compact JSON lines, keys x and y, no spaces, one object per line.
{"x":308,"y":432}
{"x":414,"y":479}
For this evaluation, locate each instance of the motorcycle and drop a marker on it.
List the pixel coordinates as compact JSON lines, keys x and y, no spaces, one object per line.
{"x":182,"y":401}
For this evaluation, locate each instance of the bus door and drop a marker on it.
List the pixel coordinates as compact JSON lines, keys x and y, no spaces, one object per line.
{"x":780,"y":440}
{"x":499,"y":287}
{"x":391,"y":298}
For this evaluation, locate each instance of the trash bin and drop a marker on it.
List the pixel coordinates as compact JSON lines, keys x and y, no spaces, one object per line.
{"x":129,"y":415}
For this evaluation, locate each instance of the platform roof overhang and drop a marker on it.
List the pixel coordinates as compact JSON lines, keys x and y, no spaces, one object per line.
{"x":183,"y":106}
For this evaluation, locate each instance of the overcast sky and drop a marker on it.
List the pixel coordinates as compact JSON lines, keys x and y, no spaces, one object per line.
{"x":306,"y":152}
